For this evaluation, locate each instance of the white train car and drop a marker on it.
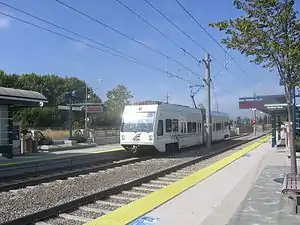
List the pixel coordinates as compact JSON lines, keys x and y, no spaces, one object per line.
{"x":166,"y":127}
{"x":220,"y":126}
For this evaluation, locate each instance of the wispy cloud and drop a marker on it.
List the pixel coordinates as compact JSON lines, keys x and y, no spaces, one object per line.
{"x":4,"y":22}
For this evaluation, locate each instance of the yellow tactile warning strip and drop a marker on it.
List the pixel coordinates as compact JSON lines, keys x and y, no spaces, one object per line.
{"x":134,"y":210}
{"x":58,"y":157}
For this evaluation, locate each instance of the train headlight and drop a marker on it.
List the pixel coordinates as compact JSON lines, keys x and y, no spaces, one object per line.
{"x":150,"y":137}
{"x":123,"y":137}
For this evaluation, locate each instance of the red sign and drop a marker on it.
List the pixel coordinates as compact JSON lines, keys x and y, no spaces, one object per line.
{"x":251,"y":104}
{"x":95,"y":109}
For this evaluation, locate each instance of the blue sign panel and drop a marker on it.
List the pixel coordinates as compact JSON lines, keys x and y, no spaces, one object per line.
{"x":145,"y":220}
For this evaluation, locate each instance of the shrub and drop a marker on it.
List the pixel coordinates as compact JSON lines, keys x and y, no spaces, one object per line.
{"x":46,"y":140}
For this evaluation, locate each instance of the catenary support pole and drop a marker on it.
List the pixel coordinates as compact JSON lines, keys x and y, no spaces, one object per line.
{"x":85,"y":111}
{"x":207,"y":61}
{"x":70,"y":117}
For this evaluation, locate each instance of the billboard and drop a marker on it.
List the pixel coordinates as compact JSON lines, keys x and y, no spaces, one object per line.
{"x":251,"y":104}
{"x":259,"y":102}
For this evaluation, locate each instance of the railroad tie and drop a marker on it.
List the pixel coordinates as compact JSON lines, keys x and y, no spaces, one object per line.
{"x":95,"y":210}
{"x":76,"y":218}
{"x":109,"y":203}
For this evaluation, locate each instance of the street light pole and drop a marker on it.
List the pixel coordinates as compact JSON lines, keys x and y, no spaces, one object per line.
{"x":85,"y":111}
{"x":86,"y":104}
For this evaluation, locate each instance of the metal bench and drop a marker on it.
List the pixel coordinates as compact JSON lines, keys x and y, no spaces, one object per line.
{"x":291,"y":189}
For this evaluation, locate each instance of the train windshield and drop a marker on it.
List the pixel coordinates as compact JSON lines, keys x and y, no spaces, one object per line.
{"x":138,"y":122}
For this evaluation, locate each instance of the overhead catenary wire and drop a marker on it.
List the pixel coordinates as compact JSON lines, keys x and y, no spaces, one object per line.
{"x":203,"y":28}
{"x":131,"y":59}
{"x":180,"y":29}
{"x":158,"y":30}
{"x":127,"y":36}
{"x":63,"y":28}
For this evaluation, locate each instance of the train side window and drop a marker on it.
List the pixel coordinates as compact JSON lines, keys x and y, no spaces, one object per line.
{"x":181,"y":127}
{"x":200,"y":127}
{"x":194,"y":127}
{"x":189,"y":127}
{"x":168,"y":125}
{"x":160,"y":128}
{"x":184,"y":129}
{"x":175,"y":125}
{"x":218,"y":126}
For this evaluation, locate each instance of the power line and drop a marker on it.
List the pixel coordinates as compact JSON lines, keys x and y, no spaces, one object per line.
{"x":196,"y":21}
{"x":180,"y":29}
{"x":62,"y":28}
{"x":188,"y":36}
{"x":131,"y":59}
{"x":175,"y":25}
{"x":159,"y":31}
{"x":127,"y":36}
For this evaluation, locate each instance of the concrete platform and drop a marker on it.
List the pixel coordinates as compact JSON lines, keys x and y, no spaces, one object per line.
{"x":248,"y":191}
{"x":48,"y":155}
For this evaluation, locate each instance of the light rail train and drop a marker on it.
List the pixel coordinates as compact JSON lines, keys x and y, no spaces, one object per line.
{"x":167,"y":127}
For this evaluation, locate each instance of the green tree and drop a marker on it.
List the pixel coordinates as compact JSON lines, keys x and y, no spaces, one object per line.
{"x":117,"y":98}
{"x":269,"y":33}
{"x":54,"y":88}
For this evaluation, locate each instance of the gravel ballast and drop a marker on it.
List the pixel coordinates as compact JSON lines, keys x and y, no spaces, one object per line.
{"x":25,"y":201}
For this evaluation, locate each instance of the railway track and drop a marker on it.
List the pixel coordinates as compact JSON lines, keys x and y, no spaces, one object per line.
{"x":34,"y":180}
{"x":81,"y":209}
{"x":15,"y":182}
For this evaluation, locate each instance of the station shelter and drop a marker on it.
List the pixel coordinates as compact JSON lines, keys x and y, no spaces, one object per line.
{"x":10,"y":100}
{"x":276,"y":107}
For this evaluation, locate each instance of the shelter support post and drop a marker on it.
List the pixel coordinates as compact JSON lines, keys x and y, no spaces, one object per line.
{"x":273,"y":121}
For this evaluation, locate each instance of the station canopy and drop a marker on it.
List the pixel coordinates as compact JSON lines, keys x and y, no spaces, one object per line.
{"x":10,"y":96}
{"x":265,"y":103}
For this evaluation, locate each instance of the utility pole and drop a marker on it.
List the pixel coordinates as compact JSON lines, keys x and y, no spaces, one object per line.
{"x":85,"y":111}
{"x":207,"y":80}
{"x":254,"y":112}
{"x":70,"y":95}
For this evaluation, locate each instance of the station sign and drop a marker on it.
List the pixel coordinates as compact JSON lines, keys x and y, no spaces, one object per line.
{"x":66,"y":107}
{"x":260,"y":102}
{"x":251,"y":104}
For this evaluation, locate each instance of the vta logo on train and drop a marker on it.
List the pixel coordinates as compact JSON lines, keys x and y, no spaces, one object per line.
{"x":146,"y":220}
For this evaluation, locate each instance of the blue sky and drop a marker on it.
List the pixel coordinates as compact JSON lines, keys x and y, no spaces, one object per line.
{"x":25,"y":49}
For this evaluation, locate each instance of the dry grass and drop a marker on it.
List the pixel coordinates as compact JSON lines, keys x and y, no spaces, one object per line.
{"x":56,"y":134}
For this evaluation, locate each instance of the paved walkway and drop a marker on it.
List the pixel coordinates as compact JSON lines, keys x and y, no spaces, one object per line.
{"x":243,"y":193}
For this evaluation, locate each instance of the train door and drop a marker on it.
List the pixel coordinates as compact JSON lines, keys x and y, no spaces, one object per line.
{"x":159,"y":143}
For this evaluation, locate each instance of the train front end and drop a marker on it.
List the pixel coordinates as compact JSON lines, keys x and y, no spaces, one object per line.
{"x":136,"y":133}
